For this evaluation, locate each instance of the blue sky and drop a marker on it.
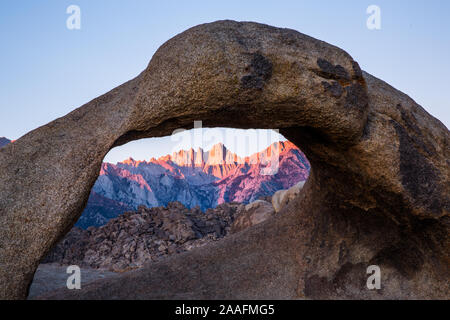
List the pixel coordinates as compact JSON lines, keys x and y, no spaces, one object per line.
{"x":48,"y":70}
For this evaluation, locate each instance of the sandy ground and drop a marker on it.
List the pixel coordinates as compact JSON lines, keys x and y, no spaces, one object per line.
{"x":49,"y":277}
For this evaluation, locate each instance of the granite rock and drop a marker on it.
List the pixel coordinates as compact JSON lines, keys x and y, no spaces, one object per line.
{"x":378,"y":190}
{"x":252,"y":214}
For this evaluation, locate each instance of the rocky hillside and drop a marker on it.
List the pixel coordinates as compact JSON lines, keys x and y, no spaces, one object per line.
{"x":194,"y":178}
{"x":148,"y":234}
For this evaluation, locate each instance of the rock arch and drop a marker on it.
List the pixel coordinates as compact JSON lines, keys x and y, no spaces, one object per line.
{"x":378,"y":191}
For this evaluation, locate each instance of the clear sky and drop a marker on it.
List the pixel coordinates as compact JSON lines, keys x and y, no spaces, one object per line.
{"x":47,"y":70}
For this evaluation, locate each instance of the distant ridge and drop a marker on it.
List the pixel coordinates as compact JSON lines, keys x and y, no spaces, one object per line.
{"x":4,"y":141}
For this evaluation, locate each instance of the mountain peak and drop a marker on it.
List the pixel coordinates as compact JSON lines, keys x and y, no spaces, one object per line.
{"x":218,"y":154}
{"x":218,"y":145}
{"x":4,"y":141}
{"x":130,"y":160}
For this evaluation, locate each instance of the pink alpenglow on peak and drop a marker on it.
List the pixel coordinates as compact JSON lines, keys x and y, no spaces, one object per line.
{"x":198,"y":178}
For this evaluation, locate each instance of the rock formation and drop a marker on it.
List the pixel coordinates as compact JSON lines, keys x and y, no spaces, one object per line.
{"x":282,"y":197}
{"x":131,"y":239}
{"x":377,"y":194}
{"x":252,"y":214}
{"x":149,"y":234}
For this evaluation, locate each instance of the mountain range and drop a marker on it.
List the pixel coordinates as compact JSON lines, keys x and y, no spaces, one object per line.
{"x":195,"y":178}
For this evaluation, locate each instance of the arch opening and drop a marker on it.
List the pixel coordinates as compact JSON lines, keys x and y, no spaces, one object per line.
{"x":193,"y":191}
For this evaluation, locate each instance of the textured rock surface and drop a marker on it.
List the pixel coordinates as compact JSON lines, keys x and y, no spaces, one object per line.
{"x":252,"y":214}
{"x":282,"y":197}
{"x":378,"y":191}
{"x":134,"y":238}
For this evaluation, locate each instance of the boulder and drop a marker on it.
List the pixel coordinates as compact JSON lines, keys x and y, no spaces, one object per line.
{"x":378,"y":191}
{"x":252,"y":214}
{"x":282,"y":197}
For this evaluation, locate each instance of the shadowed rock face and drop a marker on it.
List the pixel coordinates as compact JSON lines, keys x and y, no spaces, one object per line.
{"x":378,"y":191}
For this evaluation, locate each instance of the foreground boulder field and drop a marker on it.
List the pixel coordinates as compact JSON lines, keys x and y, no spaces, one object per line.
{"x":148,"y":234}
{"x":134,"y":238}
{"x":377,"y":194}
